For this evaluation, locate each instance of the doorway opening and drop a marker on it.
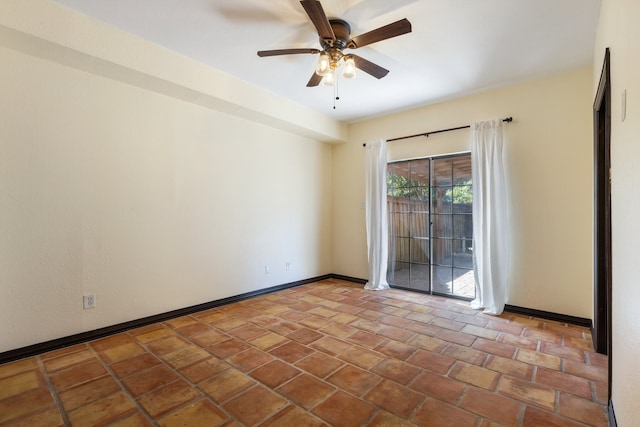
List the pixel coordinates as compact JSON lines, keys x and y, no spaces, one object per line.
{"x":601,"y":332}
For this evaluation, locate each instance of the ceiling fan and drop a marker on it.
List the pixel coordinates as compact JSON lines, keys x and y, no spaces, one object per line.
{"x":334,"y":39}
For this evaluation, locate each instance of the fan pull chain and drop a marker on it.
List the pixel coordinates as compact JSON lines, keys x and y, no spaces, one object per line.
{"x":336,"y":96}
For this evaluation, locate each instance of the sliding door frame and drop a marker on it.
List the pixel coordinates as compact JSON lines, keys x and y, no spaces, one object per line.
{"x":431,"y":214}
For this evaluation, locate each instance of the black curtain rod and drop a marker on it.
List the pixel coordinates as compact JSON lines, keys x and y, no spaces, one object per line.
{"x":426,"y":134}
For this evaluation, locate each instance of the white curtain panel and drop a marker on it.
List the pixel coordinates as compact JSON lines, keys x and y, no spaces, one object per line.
{"x":490,"y":222}
{"x":376,"y":212}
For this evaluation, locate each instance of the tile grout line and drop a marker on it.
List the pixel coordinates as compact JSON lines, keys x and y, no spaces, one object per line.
{"x":53,"y":391}
{"x":117,"y":379}
{"x":203,"y":394}
{"x":373,"y":386}
{"x":220,"y":404}
{"x":247,"y":373}
{"x":347,"y":364}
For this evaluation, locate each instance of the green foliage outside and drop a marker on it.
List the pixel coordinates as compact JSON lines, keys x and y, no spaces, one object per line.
{"x":461,"y":193}
{"x":401,"y":186}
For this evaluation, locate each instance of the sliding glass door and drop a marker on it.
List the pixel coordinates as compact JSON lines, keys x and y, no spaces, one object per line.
{"x":430,"y":225}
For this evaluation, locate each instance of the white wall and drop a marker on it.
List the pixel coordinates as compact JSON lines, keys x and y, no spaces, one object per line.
{"x":549,"y":169}
{"x":618,"y":29}
{"x":152,"y":203}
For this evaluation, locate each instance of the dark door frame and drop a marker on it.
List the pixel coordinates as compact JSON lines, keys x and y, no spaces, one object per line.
{"x":601,"y":332}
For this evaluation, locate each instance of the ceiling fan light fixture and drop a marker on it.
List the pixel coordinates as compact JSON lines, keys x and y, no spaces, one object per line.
{"x":349,"y":70}
{"x":335,"y":36}
{"x":324,"y":64}
{"x":330,"y":78}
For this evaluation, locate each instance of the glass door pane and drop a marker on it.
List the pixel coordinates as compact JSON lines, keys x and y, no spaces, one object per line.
{"x":452,"y":231}
{"x":409,"y":224}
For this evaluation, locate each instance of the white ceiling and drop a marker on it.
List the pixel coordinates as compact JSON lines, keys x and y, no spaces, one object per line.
{"x":457,"y":47}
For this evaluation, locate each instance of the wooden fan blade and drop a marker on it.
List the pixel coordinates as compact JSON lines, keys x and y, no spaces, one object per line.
{"x":394,"y":29}
{"x":369,"y":67}
{"x":318,"y":18}
{"x":277,"y":52}
{"x":314,"y":80}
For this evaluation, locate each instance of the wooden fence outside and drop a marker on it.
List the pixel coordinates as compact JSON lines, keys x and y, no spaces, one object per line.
{"x":409,"y":226}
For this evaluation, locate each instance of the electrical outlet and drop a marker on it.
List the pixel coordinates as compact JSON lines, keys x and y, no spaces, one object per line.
{"x":89,"y":301}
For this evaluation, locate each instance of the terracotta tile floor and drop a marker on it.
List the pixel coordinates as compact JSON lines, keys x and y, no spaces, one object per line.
{"x":328,"y":353}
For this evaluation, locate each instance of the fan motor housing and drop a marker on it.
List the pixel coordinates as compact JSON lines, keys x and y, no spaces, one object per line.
{"x":342,"y":30}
